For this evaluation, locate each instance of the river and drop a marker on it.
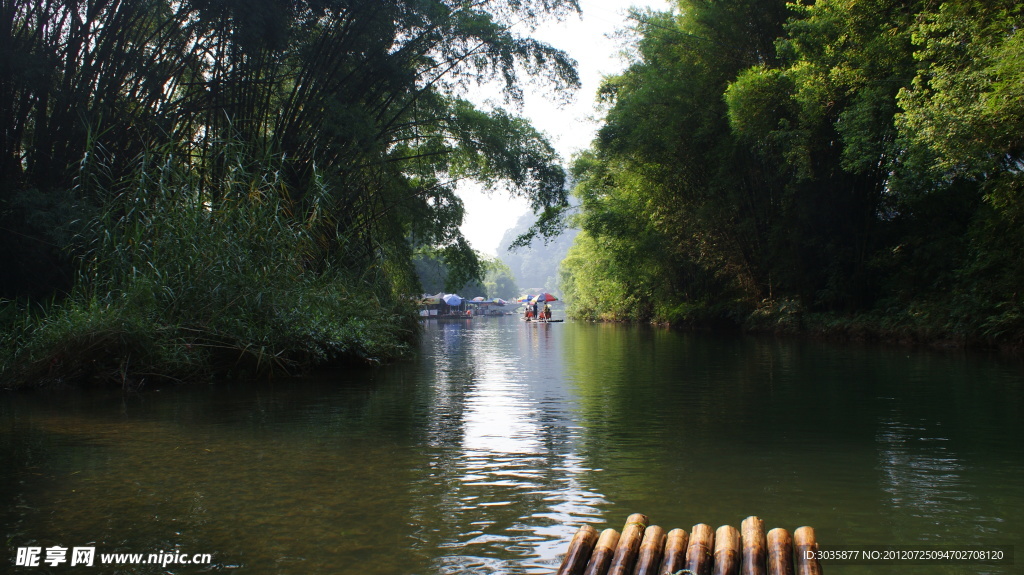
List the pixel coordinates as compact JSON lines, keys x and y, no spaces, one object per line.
{"x":488,"y":450}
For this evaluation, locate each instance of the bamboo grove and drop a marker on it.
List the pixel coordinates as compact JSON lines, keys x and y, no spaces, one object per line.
{"x":248,"y":178}
{"x":848,"y":166}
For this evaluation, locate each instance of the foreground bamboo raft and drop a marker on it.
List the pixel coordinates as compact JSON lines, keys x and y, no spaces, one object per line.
{"x":644,"y":549}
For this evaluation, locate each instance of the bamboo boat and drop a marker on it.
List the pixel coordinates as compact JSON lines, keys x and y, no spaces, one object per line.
{"x":644,"y":549}
{"x":543,"y":320}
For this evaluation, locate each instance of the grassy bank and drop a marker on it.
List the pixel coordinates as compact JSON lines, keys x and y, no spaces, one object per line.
{"x":174,"y":286}
{"x":932,"y":324}
{"x":133,"y":338}
{"x":955,"y":322}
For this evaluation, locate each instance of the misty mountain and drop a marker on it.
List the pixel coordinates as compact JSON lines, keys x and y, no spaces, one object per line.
{"x":535,"y":266}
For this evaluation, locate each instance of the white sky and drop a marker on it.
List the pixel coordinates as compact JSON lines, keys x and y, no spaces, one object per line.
{"x":589,"y":40}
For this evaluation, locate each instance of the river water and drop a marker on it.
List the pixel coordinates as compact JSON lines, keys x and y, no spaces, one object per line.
{"x":487,"y":451}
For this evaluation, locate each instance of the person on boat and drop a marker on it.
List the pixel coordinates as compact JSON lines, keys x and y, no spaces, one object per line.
{"x":529,"y":313}
{"x":547,"y":311}
{"x":535,"y":310}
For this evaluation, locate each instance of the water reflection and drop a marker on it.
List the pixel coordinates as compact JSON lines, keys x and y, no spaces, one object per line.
{"x":931,"y":492}
{"x":511,"y":483}
{"x":923,"y":477}
{"x":485,"y":453}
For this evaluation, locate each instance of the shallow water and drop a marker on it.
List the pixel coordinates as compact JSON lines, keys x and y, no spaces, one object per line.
{"x":485,"y":453}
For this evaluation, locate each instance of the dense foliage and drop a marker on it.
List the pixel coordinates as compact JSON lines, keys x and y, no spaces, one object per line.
{"x":436,"y":275}
{"x":764,"y":162}
{"x":336,"y":122}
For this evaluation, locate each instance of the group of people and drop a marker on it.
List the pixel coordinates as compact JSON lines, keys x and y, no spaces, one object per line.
{"x":532,"y":311}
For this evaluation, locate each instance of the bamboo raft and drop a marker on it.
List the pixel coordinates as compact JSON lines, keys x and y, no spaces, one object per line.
{"x":644,"y":549}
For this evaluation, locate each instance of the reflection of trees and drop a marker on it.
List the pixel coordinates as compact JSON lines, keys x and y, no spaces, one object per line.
{"x":707,"y":428}
{"x":449,"y":367}
{"x":476,"y":456}
{"x":662,"y":412}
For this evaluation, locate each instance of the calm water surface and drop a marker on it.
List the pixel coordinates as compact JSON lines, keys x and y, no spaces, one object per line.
{"x":485,"y":453}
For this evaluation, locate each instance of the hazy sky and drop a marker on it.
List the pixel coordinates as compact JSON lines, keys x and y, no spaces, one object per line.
{"x":570,"y":128}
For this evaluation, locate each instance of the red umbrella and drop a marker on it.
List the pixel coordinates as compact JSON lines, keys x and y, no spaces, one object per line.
{"x":544,"y":297}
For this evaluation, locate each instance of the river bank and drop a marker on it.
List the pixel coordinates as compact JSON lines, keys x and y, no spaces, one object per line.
{"x":102,"y":343}
{"x":933,"y":326}
{"x":168,"y":288}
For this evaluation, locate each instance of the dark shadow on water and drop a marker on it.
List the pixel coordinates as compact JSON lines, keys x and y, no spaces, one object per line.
{"x":485,"y":453}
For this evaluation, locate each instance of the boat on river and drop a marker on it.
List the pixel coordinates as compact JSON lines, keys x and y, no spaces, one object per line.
{"x":449,"y":317}
{"x":531,"y":320}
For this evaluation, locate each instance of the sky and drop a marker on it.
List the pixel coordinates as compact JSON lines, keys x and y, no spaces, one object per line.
{"x":589,"y":39}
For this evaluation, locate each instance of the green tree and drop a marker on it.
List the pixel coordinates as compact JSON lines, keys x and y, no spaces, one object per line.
{"x":358,"y":97}
{"x":962,"y":124}
{"x":668,"y":194}
{"x":852,"y":157}
{"x":499,"y":280}
{"x":824,"y":115}
{"x":437,"y":271}
{"x":252,"y":177}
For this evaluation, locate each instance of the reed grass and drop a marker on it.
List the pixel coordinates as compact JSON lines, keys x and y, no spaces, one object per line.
{"x":175,"y":285}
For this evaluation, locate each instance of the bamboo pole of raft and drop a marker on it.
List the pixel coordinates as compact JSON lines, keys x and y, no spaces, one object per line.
{"x":806,"y":546}
{"x":755,"y":553}
{"x":698,"y":552}
{"x":579,"y":551}
{"x":650,"y":551}
{"x":727,"y":551}
{"x":675,"y":551}
{"x":629,"y":545}
{"x":780,"y":552}
{"x":601,"y":558}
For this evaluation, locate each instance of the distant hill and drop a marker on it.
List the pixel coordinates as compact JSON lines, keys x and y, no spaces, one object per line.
{"x":537,"y":265}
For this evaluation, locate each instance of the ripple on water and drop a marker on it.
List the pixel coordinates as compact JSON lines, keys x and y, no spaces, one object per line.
{"x":487,"y":452}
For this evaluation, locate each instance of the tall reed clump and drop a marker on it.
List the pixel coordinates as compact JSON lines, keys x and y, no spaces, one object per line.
{"x":186,"y":276}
